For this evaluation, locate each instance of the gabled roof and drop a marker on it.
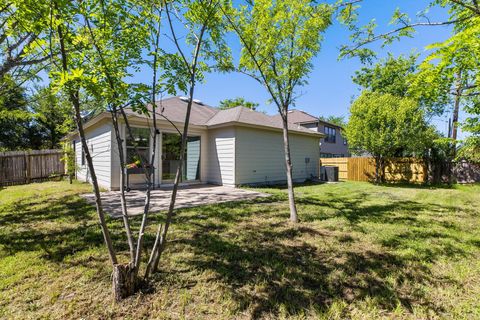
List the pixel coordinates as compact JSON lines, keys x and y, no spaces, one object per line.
{"x":299,"y":116}
{"x":248,"y":116}
{"x":174,"y":110}
{"x":302,"y":117}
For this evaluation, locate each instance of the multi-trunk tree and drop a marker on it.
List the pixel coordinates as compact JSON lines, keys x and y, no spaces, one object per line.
{"x":99,"y":43}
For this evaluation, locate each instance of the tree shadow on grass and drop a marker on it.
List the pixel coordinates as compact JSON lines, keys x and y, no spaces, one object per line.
{"x":269,"y":265}
{"x":59,"y":227}
{"x":262,"y":276}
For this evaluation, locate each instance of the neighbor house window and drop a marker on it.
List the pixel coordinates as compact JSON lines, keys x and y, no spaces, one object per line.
{"x":140,"y":140}
{"x":331,"y":134}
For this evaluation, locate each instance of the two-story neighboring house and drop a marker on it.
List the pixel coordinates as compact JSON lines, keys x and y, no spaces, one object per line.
{"x":334,"y":145}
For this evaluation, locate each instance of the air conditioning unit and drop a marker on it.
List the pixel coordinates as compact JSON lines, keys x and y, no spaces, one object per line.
{"x":331,"y":174}
{"x":323,"y":176}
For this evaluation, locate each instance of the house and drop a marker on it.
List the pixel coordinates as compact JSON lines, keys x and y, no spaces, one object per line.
{"x":333,"y":145}
{"x":230,"y":147}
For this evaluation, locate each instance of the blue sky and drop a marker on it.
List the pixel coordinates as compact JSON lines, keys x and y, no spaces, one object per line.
{"x":330,"y":89}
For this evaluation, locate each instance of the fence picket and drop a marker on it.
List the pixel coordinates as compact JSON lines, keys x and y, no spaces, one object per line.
{"x":20,"y":167}
{"x":363,"y":169}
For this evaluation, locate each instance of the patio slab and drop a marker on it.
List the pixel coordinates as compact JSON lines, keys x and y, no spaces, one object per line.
{"x":189,"y":196}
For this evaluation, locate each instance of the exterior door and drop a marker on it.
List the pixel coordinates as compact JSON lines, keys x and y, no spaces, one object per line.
{"x":171,"y":145}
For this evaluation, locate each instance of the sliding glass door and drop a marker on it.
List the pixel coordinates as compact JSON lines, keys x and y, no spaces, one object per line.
{"x":171,"y":145}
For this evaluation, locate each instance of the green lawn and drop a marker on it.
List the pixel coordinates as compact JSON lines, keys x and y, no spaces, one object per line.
{"x":360,"y":252}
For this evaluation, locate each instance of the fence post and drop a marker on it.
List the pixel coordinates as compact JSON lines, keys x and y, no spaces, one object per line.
{"x":27,"y":164}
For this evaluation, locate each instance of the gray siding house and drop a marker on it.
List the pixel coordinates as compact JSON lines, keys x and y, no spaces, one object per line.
{"x":333,"y":144}
{"x":230,"y":147}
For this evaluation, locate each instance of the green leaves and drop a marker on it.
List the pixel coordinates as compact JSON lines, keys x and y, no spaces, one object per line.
{"x":239,"y":101}
{"x":387,"y":125}
{"x":279,"y":40}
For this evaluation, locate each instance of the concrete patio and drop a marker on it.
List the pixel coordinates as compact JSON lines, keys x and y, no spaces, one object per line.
{"x":188,"y":196}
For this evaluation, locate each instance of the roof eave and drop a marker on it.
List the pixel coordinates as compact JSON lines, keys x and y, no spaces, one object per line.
{"x":248,"y":125}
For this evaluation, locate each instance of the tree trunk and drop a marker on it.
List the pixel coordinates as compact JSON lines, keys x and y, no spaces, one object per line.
{"x":124,"y":281}
{"x":288,"y":163}
{"x":456,"y":109}
{"x":75,"y":101}
{"x":161,"y":236}
{"x":377,"y":169}
{"x":123,"y":201}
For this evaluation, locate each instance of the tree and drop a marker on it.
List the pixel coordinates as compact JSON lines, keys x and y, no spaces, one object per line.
{"x":470,"y":150}
{"x":22,"y":28}
{"x":338,"y":120}
{"x":239,"y":101}
{"x":99,"y":42}
{"x":386,"y":126}
{"x":205,"y":43}
{"x":14,"y":116}
{"x":399,"y":77}
{"x":452,"y":66}
{"x":279,"y":40}
{"x":52,"y":117}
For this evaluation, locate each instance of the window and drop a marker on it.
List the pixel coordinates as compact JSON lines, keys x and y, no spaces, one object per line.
{"x":141,"y":140}
{"x":331,"y":134}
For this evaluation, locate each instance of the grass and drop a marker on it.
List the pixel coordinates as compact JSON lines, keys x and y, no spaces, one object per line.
{"x":360,"y":252}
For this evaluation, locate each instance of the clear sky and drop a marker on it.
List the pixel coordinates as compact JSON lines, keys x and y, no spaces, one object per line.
{"x":330,"y":89}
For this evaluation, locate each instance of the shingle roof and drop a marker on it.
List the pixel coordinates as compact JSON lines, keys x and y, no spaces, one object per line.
{"x":175,"y":110}
{"x":298,"y":116}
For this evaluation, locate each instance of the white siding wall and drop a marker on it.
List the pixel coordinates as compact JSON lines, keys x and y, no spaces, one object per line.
{"x":99,"y":140}
{"x":260,"y":156}
{"x":220,"y":160}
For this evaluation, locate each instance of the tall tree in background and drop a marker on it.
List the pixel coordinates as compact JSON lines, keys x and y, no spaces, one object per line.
{"x":14,"y":116}
{"x":279,"y":40}
{"x":22,"y":31}
{"x":338,"y":120}
{"x":398,"y":77}
{"x":52,"y":117}
{"x":239,"y":101}
{"x":452,"y":66}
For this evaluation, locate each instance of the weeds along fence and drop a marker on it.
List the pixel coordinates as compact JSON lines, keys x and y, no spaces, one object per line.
{"x":21,"y":167}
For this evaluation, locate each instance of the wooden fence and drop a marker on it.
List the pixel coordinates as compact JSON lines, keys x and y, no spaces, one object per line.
{"x":363,"y":169}
{"x":20,"y":167}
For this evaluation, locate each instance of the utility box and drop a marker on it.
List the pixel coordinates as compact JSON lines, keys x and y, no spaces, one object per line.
{"x":323,"y":176}
{"x":331,"y":174}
